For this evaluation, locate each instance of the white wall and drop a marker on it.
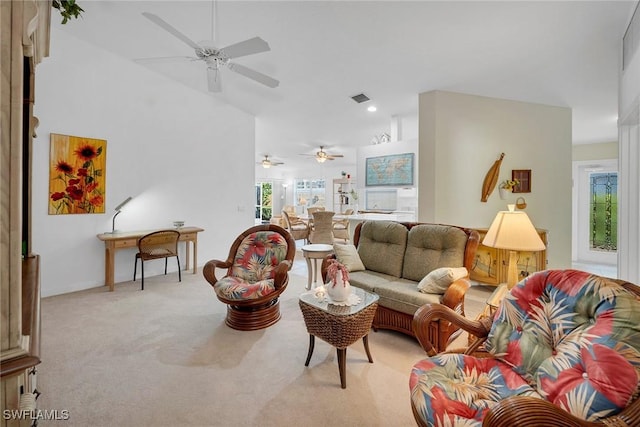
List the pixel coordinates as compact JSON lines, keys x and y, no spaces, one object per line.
{"x":173,"y":149}
{"x":460,"y":137}
{"x":629,"y":165}
{"x":604,"y":150}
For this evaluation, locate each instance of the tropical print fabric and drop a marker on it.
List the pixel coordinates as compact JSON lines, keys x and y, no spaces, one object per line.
{"x":566,"y":336}
{"x":253,"y":270}
{"x":457,"y":390}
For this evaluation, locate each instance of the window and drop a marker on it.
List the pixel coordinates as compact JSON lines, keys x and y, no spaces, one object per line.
{"x":603,"y":218}
{"x":264,"y":205}
{"x":309,"y":192}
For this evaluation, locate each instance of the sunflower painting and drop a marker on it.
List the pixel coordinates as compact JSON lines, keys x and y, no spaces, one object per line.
{"x":76,"y":175}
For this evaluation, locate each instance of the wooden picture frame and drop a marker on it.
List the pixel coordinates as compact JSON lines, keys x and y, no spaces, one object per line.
{"x":523,"y":176}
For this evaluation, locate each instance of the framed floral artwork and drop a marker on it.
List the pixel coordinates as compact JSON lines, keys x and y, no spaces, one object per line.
{"x":77,"y":175}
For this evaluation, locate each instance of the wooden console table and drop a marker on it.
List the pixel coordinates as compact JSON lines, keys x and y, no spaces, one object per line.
{"x":129,"y":239}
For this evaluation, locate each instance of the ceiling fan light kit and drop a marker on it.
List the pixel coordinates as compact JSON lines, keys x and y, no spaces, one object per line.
{"x":267,"y":162}
{"x":219,"y":58}
{"x":322,"y":156}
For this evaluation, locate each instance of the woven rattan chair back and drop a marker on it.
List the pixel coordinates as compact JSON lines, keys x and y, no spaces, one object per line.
{"x":157,"y":245}
{"x":322,"y":228}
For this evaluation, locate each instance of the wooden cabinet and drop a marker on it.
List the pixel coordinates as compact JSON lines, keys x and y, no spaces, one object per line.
{"x":24,"y":31}
{"x":342,"y":197}
{"x":490,"y":265}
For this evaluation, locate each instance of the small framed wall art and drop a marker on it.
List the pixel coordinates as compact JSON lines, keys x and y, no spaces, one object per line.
{"x":523,"y":179}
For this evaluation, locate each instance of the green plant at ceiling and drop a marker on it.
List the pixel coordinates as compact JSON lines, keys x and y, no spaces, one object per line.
{"x":67,"y":8}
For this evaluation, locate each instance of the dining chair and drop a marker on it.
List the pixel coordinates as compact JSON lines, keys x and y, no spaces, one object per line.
{"x":321,"y":229}
{"x":157,"y":245}
{"x":341,"y":227}
{"x":311,"y":211}
{"x":295,"y":226}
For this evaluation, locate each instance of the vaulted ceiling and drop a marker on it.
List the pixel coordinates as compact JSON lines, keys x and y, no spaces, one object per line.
{"x":324,"y":52}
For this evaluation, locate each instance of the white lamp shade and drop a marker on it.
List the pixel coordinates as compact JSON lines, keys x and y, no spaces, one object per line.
{"x":514,"y":231}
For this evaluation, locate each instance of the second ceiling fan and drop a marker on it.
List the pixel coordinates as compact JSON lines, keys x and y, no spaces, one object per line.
{"x":322,"y":156}
{"x":215,"y":59}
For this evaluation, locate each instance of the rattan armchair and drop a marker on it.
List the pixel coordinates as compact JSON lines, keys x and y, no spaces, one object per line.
{"x":563,"y":349}
{"x":157,"y":245}
{"x":256,"y":273}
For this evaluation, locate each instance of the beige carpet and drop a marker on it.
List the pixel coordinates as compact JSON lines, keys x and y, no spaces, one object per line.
{"x":164,"y":357}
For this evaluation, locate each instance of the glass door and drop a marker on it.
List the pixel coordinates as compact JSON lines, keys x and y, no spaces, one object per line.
{"x":597,"y":212}
{"x":264,"y":202}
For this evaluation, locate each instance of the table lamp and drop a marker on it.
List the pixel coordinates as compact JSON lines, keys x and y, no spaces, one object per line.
{"x":118,"y":209}
{"x":513,"y":230}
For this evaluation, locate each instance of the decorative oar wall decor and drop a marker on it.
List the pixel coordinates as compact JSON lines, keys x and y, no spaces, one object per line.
{"x":491,"y":179}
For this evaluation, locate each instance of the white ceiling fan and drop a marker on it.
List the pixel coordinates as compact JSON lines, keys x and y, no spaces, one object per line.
{"x":322,"y":156}
{"x":267,"y":162}
{"x":215,"y":58}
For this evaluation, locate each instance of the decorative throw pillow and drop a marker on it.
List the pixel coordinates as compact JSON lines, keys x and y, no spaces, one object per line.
{"x":439,"y":279}
{"x":348,"y":256}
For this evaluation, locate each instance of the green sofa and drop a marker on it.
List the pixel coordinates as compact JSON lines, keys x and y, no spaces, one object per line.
{"x":397,"y":255}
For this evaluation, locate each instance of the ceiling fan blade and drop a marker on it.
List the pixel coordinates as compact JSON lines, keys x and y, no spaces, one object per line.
{"x":334,"y":155}
{"x":165,"y":25}
{"x":255,"y":75}
{"x":166,"y":59}
{"x":214,"y":79}
{"x":247,"y":47}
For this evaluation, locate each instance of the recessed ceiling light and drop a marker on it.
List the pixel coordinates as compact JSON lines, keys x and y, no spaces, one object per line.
{"x":371,"y":108}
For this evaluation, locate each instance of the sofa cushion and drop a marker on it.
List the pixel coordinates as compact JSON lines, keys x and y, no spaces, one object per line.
{"x":439,"y":280}
{"x":348,"y":256}
{"x":382,"y":246}
{"x":394,"y":292}
{"x":431,"y":246}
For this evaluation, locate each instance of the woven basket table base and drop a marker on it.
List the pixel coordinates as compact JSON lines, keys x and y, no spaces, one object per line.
{"x":338,"y":330}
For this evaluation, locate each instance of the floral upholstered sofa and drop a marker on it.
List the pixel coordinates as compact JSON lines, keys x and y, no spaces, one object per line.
{"x":563,"y":349}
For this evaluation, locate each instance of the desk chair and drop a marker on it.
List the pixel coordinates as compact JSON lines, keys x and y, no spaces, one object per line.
{"x":157,"y":245}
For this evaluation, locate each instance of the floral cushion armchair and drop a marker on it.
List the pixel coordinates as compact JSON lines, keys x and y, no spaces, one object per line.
{"x":256,"y":274}
{"x":563,"y":349}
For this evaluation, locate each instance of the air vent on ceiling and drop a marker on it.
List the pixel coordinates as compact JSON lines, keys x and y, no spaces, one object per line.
{"x":360,"y":98}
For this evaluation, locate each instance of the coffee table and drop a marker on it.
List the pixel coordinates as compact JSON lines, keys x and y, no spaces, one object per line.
{"x":339,"y":325}
{"x":315,"y":252}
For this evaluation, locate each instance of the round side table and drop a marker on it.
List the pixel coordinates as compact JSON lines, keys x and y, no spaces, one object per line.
{"x":315,"y":252}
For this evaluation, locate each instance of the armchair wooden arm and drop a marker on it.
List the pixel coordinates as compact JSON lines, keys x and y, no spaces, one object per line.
{"x":209,"y":269}
{"x":281,"y":274}
{"x":524,"y":411}
{"x":430,"y":312}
